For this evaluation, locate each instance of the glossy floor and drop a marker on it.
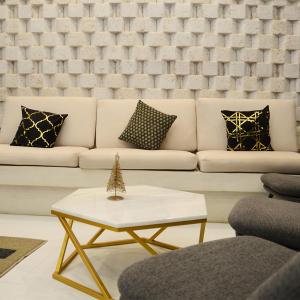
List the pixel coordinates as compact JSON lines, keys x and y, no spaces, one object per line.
{"x":31,"y":279}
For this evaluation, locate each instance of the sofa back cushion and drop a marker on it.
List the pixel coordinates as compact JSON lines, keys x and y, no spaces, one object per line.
{"x":211,"y":129}
{"x":113,"y":117}
{"x":77,"y":130}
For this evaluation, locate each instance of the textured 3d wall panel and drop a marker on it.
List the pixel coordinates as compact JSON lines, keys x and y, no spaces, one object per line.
{"x":150,"y":49}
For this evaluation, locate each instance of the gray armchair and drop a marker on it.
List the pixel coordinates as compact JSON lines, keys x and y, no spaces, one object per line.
{"x":238,"y":268}
{"x":261,"y":263}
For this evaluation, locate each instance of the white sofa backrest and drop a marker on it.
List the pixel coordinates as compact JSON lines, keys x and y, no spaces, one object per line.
{"x":78,"y":128}
{"x":113,"y":117}
{"x":211,"y":130}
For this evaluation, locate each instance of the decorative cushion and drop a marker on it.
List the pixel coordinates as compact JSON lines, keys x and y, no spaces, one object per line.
{"x":248,"y":130}
{"x":147,"y":127}
{"x":38,"y":128}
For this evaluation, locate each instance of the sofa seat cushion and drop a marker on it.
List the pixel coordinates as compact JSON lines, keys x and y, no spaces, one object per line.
{"x":249,"y":161}
{"x":29,"y":156}
{"x":138,"y":159}
{"x":228,"y":269}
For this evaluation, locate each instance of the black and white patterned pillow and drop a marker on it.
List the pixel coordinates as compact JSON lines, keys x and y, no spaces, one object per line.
{"x":38,"y":128}
{"x":147,"y":127}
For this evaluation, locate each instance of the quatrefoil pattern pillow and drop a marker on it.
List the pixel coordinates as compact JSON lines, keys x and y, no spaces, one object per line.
{"x":147,"y":127}
{"x":248,"y":130}
{"x":38,"y":128}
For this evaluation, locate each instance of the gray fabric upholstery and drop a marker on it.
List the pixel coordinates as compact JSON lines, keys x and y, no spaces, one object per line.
{"x":283,"y":285}
{"x":275,"y":220}
{"x":209,"y":271}
{"x":283,"y":185}
{"x":275,"y":195}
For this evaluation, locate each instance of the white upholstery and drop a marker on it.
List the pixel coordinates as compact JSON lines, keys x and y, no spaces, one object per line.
{"x":66,"y":156}
{"x":249,"y":161}
{"x":138,"y":159}
{"x":78,"y":128}
{"x":113,"y":116}
{"x":211,"y":132}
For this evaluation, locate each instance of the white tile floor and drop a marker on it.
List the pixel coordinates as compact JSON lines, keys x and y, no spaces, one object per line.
{"x":31,"y":279}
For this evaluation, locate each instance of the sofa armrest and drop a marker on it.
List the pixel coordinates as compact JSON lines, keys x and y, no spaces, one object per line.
{"x":283,"y":186}
{"x":274,"y":220}
{"x":282,"y":285}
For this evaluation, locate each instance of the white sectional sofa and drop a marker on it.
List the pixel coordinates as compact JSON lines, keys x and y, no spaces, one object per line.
{"x":193,"y":156}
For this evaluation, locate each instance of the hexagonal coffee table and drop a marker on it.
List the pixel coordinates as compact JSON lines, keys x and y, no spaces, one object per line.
{"x":144,"y":207}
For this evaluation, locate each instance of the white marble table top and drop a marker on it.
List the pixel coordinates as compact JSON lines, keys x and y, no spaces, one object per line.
{"x":142,"y":205}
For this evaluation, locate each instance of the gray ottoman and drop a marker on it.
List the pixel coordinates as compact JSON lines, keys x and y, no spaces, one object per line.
{"x":228,"y":269}
{"x":277,"y":221}
{"x":286,"y":187}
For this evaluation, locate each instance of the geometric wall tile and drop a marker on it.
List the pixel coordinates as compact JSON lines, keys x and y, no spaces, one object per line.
{"x":150,"y":48}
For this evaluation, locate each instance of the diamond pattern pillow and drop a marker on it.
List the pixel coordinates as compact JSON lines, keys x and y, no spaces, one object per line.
{"x":147,"y":127}
{"x":248,"y":130}
{"x":38,"y":128}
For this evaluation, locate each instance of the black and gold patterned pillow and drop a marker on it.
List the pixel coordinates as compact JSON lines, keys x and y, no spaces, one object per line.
{"x":147,"y":127}
{"x":38,"y":128}
{"x":248,"y":130}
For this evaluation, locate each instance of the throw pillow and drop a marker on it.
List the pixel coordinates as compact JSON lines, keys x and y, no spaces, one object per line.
{"x":38,"y":128}
{"x":248,"y":130}
{"x":147,"y":127}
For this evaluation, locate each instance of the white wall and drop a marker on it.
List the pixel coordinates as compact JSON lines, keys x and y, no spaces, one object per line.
{"x":150,"y":49}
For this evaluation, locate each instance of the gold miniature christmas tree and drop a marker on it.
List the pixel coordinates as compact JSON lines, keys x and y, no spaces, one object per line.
{"x":115,"y":182}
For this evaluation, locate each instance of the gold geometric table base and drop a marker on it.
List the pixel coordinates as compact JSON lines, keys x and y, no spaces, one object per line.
{"x":146,"y":243}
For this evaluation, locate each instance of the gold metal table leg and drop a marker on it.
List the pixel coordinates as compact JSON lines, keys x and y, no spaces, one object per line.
{"x":161,"y":244}
{"x":142,"y":242}
{"x":68,"y":260}
{"x":202,"y":231}
{"x":89,"y":244}
{"x":87,"y":263}
{"x":94,"y":238}
{"x":146,"y":243}
{"x":157,"y":233}
{"x":63,"y":250}
{"x":79,"y":286}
